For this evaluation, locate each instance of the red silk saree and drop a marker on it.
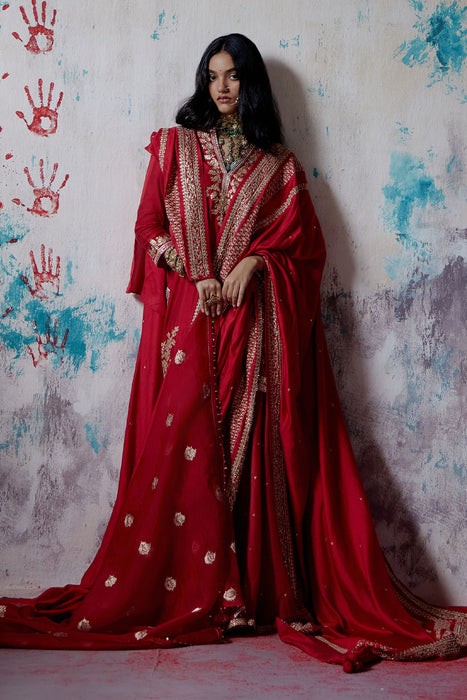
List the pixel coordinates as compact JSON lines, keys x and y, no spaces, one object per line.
{"x":239,"y":503}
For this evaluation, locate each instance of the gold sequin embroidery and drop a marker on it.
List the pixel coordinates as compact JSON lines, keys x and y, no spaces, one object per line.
{"x":166,"y":347}
{"x":169,"y":419}
{"x":84,"y":625}
{"x":190,"y":453}
{"x":2,"y":610}
{"x":141,"y":634}
{"x":209,"y":557}
{"x":179,"y":519}
{"x":155,"y":481}
{"x":144,"y":548}
{"x":170,"y":583}
{"x":179,"y":357}
{"x":111,"y":581}
{"x":129,"y":520}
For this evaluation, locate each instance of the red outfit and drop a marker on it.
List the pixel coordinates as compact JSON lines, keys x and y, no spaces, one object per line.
{"x":239,"y":500}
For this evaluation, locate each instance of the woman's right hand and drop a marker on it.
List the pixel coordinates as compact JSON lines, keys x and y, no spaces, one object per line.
{"x":207,"y":289}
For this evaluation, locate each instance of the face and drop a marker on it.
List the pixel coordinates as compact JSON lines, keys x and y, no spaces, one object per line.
{"x":224,"y":85}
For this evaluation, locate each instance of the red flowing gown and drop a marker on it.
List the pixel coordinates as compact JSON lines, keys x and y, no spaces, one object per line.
{"x":239,"y":502}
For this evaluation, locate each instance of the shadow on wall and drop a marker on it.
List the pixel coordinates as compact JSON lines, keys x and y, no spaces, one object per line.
{"x":397,"y":526}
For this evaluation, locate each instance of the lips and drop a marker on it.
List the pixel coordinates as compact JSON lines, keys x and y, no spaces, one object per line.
{"x":223,"y":99}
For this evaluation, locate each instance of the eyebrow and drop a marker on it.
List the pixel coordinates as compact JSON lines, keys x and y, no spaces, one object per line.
{"x":229,"y":70}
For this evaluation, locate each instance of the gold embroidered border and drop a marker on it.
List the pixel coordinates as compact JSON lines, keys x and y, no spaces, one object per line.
{"x":274,"y":380}
{"x":243,"y":406}
{"x":186,"y":219}
{"x":423,"y":611}
{"x":162,"y":147}
{"x":193,"y":202}
{"x":280,"y":210}
{"x":241,"y":218}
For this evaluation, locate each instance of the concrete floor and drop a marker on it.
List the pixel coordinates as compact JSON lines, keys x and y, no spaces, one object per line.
{"x":261,"y":667}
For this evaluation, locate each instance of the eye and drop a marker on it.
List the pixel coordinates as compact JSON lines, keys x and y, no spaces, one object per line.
{"x":234,"y":76}
{"x":211,"y":78}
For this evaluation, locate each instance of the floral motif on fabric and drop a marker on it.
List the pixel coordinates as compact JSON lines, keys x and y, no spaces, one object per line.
{"x":84,"y":625}
{"x":170,"y":583}
{"x":209,"y":557}
{"x":179,"y":519}
{"x":166,"y":348}
{"x":230,"y":595}
{"x":179,"y":357}
{"x":169,"y":419}
{"x":144,"y":548}
{"x":110,"y":581}
{"x":141,"y":634}
{"x":2,"y":610}
{"x":129,"y":520}
{"x":154,"y":483}
{"x":190,"y":453}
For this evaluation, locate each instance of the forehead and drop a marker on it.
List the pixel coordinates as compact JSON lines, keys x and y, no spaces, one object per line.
{"x":221,"y":62}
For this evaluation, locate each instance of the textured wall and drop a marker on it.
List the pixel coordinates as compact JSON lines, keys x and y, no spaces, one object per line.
{"x":374,"y":101}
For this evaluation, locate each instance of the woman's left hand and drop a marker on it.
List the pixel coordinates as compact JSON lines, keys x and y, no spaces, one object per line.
{"x":236,"y":283}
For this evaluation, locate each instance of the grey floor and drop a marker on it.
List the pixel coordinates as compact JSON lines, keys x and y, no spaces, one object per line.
{"x":260,"y":667}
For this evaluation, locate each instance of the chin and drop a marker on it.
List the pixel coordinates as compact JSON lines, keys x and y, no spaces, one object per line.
{"x":227,"y":109}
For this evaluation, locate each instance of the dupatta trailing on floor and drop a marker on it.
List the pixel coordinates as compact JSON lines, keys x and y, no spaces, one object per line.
{"x":239,"y":503}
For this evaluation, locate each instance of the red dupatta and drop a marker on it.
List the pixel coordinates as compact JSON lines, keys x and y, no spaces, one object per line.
{"x":201,"y":432}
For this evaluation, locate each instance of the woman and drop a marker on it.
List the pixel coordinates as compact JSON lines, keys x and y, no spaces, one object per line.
{"x":239,"y":505}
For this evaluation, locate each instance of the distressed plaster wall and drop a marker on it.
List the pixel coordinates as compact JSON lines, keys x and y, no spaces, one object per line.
{"x":374,"y":101}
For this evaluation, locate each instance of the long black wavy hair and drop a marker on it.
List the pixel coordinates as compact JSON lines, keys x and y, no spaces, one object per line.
{"x":257,"y":107}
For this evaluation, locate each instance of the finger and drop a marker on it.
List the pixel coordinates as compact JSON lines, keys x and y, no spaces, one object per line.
{"x":241,"y":294}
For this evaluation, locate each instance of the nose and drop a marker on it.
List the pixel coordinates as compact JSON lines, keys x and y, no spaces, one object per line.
{"x":223,"y":87}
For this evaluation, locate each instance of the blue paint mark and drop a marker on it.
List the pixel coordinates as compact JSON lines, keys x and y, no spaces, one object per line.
{"x":68,"y":273}
{"x":411,"y":188}
{"x":460,"y":471}
{"x":288,"y":43}
{"x":94,"y":438}
{"x":38,"y":328}
{"x":441,"y":41}
{"x":317,"y":90}
{"x":364,"y":15}
{"x":442,"y":462}
{"x":315,"y":172}
{"x":327,"y":131}
{"x":12,"y":230}
{"x":77,"y":98}
{"x":165,"y":25}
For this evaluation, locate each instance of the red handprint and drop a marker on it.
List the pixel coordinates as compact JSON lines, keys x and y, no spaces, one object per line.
{"x":46,"y":200}
{"x":41,"y":38}
{"x":44,"y":117}
{"x":46,"y":278}
{"x":49,"y":344}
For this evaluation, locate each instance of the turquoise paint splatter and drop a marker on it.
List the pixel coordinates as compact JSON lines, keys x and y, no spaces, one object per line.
{"x":315,"y":172}
{"x":442,"y":462}
{"x":12,"y":230}
{"x":94,"y":438}
{"x":411,"y":188}
{"x":289,"y":43}
{"x":442,"y":41}
{"x":37,"y":328}
{"x":165,"y":25}
{"x":460,"y":471}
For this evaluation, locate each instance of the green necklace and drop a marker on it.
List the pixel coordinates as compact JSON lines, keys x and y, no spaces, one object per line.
{"x":232,"y":141}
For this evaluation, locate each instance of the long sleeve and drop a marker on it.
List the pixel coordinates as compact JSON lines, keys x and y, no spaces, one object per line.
{"x":152,"y":226}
